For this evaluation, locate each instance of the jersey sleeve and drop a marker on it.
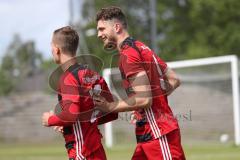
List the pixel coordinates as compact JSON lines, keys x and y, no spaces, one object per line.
{"x":67,"y":116}
{"x":163,"y":65}
{"x":68,"y":108}
{"x":131,"y":62}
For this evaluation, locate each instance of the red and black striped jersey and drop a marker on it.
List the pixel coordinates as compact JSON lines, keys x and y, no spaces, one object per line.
{"x":157,"y":120}
{"x":76,"y":112}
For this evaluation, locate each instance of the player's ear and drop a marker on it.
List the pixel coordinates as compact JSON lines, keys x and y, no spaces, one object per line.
{"x":118,"y":27}
{"x":56,"y":49}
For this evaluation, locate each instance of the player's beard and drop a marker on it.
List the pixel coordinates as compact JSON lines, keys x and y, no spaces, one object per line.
{"x":111,"y":44}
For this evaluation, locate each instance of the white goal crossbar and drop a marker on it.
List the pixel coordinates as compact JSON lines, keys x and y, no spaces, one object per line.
{"x":232,"y":59}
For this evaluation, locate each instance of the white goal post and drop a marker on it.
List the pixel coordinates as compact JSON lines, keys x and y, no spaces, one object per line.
{"x":232,"y":59}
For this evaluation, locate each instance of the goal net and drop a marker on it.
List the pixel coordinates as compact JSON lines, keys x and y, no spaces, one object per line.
{"x":206,"y":104}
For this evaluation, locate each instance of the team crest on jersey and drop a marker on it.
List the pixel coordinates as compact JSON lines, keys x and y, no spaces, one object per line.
{"x":92,"y":79}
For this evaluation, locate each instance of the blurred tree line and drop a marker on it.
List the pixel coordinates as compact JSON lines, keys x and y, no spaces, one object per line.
{"x":186,"y":29}
{"x":20,"y":61}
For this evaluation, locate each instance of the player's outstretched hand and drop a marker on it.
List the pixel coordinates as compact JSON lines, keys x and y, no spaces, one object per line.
{"x":45,"y":118}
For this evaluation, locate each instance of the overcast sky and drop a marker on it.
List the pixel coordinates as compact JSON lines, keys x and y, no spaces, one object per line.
{"x":33,"y":20}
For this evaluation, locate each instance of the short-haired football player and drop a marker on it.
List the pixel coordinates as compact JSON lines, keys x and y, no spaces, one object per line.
{"x":75,"y":112}
{"x":148,"y":81}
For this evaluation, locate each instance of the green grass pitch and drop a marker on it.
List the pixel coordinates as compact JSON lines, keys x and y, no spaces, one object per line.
{"x":119,"y":152}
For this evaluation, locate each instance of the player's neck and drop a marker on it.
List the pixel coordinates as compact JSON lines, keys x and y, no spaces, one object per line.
{"x":67,"y":61}
{"x":121,"y":38}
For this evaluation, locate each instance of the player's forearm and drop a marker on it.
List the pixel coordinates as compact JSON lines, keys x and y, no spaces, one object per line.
{"x":56,"y":121}
{"x":107,"y":118}
{"x":133,"y":103}
{"x":68,"y":115}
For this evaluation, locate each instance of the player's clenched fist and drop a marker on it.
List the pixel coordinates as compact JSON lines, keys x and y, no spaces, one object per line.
{"x":45,"y":118}
{"x":101,"y":103}
{"x":58,"y":129}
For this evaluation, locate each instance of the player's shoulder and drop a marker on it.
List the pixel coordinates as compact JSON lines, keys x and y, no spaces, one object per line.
{"x":67,"y":78}
{"x":142,"y":46}
{"x":79,"y":73}
{"x":139,"y":45}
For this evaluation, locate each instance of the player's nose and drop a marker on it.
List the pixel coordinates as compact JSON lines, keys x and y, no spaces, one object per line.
{"x":99,"y":35}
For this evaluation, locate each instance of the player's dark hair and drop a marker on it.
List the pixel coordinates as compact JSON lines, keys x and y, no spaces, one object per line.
{"x":67,"y":39}
{"x":110,"y":13}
